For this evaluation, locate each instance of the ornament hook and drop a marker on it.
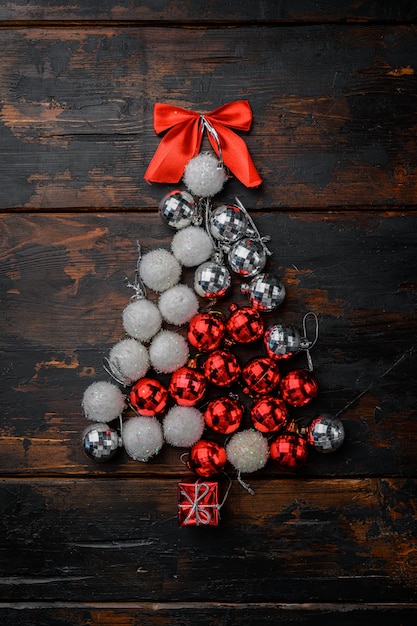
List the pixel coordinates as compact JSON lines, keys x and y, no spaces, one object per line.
{"x":306,"y":344}
{"x":212,"y":131}
{"x":254,"y":228}
{"x":137,"y":285}
{"x":244,"y":485}
{"x":113,"y":369}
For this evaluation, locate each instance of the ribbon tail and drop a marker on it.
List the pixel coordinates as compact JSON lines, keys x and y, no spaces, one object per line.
{"x":236,"y":156}
{"x":180,"y":144}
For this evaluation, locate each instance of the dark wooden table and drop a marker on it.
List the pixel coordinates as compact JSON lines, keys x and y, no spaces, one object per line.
{"x":333,"y":89}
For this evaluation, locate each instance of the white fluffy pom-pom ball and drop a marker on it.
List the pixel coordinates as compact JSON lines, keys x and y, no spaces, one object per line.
{"x":159,"y":269}
{"x":128,"y":360}
{"x":248,"y":450}
{"x":102,"y":402}
{"x":178,"y":304}
{"x":141,"y":319}
{"x":183,"y":426}
{"x":142,"y":437}
{"x":191,"y":246}
{"x":168,"y":351}
{"x":203,"y":176}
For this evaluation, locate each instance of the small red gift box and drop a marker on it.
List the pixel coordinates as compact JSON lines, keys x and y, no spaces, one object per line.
{"x":198,"y":504}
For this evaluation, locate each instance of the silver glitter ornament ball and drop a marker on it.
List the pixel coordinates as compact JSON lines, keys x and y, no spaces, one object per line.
{"x":228,"y":223}
{"x":212,"y":280}
{"x":282,"y":342}
{"x":326,"y":433}
{"x":265,"y":292}
{"x":247,"y":257}
{"x":177,"y":209}
{"x":100,"y":442}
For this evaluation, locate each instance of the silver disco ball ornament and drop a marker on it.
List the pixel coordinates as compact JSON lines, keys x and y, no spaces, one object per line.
{"x":265,"y":292}
{"x":212,"y":280}
{"x":247,"y":257}
{"x":326,"y":433}
{"x":178,"y":209}
{"x":282,"y":342}
{"x":100,"y":442}
{"x":228,"y":223}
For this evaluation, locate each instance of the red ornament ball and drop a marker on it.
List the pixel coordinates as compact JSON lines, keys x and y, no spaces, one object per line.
{"x":222,"y":368}
{"x":260,"y":375}
{"x":148,"y":396}
{"x":299,"y":387}
{"x":187,"y":386}
{"x":207,"y":458}
{"x":244,"y":324}
{"x":269,"y":414}
{"x":206,"y":331}
{"x":223,"y":415}
{"x":289,"y":450}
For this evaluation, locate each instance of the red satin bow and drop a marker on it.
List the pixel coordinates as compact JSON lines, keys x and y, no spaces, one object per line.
{"x":183,"y":138}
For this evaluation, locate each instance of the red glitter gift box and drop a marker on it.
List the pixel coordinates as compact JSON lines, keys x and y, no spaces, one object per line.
{"x":198,"y":504}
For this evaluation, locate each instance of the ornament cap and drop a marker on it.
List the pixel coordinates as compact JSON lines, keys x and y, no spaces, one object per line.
{"x":193,"y":363}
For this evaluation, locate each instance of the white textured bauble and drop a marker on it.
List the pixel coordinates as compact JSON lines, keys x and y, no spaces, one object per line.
{"x":142,"y":319}
{"x":129,"y":360}
{"x":178,"y":304}
{"x":203,"y":176}
{"x":159,"y":269}
{"x":183,"y":426}
{"x":142,"y":437}
{"x":168,"y":351}
{"x":102,"y":402}
{"x":192,"y":246}
{"x":247,"y":451}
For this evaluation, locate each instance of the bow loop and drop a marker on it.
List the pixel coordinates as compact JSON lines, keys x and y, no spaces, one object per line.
{"x":234,"y":114}
{"x":165,"y":116}
{"x":182,"y":140}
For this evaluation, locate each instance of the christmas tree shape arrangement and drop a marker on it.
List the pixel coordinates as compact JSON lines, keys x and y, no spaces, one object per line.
{"x":167,"y":376}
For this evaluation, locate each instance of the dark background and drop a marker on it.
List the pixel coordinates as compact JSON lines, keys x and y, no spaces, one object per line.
{"x":332,"y":86}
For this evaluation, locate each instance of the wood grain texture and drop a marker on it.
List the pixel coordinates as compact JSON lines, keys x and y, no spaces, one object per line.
{"x":206,"y":614}
{"x":333,"y":92}
{"x":334,"y":111}
{"x":201,"y":11}
{"x":68,"y":539}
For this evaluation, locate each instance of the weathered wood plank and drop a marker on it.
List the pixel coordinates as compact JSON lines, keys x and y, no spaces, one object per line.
{"x":63,"y":290}
{"x":205,"y":614}
{"x":201,"y":11}
{"x":334,"y":111}
{"x":294,"y":541}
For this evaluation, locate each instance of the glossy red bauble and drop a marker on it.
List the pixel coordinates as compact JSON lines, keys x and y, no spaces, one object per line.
{"x":289,"y":450}
{"x":223,"y":415}
{"x":299,"y":387}
{"x":207,"y":458}
{"x":244,"y":324}
{"x":148,"y":396}
{"x":206,"y":331}
{"x":260,"y":375}
{"x":269,"y":414}
{"x":187,"y":386}
{"x":222,"y":368}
